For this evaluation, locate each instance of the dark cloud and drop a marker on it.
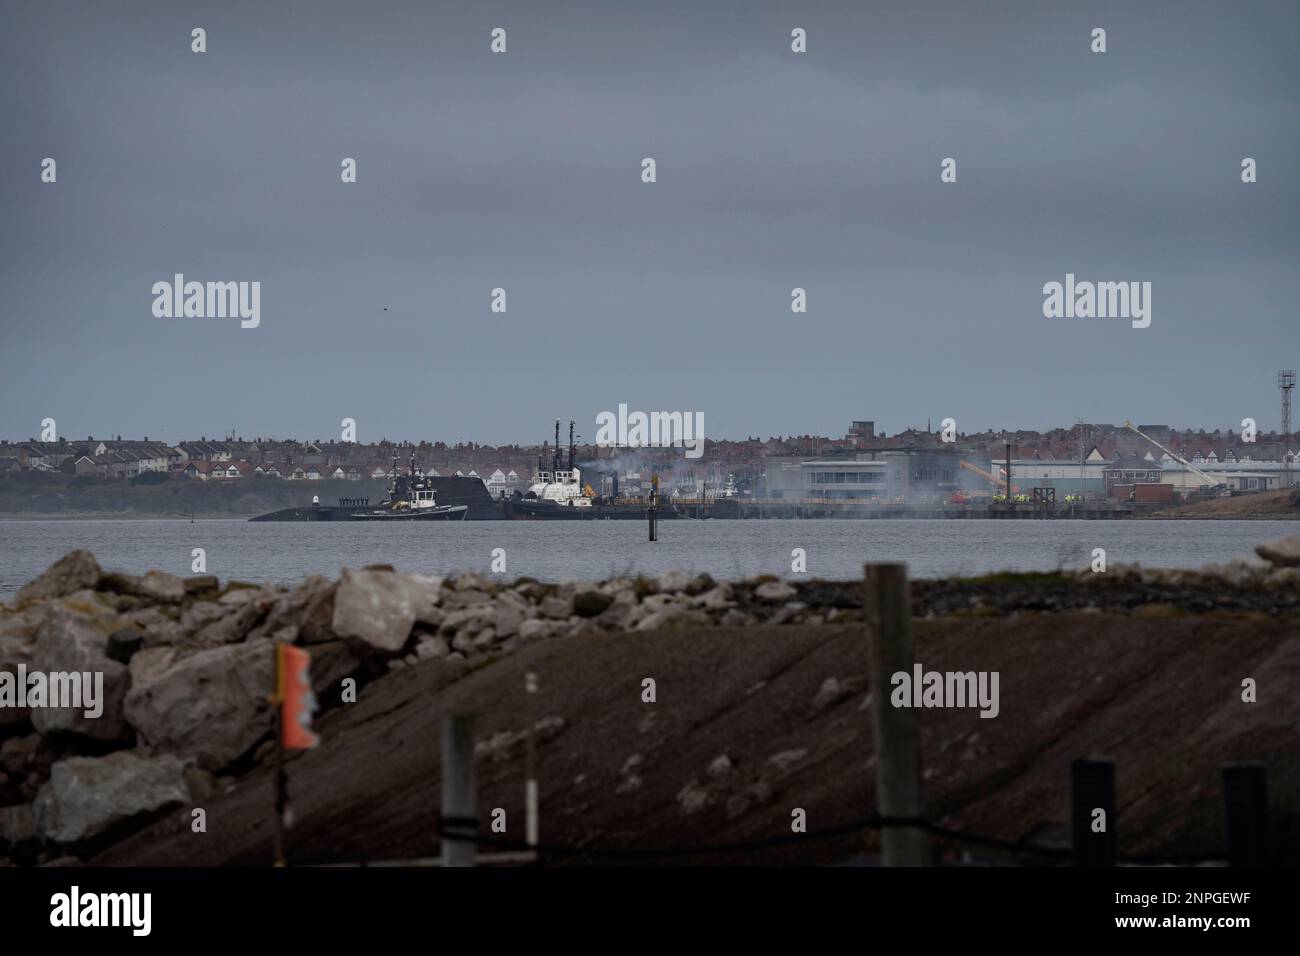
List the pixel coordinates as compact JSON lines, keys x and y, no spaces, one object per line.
{"x":522,"y":171}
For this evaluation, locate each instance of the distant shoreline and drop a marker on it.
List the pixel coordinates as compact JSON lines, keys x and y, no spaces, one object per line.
{"x":220,"y":516}
{"x":116,"y":516}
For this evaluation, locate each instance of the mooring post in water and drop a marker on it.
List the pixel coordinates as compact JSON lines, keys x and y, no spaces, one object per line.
{"x":1245,"y":797}
{"x":1092,"y":811}
{"x":459,"y":811}
{"x":897,"y":738}
{"x":654,"y":504}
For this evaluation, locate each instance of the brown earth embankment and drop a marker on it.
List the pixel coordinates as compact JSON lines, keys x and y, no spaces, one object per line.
{"x":759,"y":710}
{"x":1266,"y":505}
{"x":749,"y":724}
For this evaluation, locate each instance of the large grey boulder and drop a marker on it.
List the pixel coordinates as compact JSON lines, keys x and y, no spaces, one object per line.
{"x":537,"y":628}
{"x":507,"y":615}
{"x":202,"y":613}
{"x":379,"y":608}
{"x":774,"y":591}
{"x":162,"y":587}
{"x":209,"y":704}
{"x":473,"y":581}
{"x":15,"y":650}
{"x":27,"y":760}
{"x":17,"y":824}
{"x":309,"y":606}
{"x":672,"y":581}
{"x":230,"y":626}
{"x":1283,"y":553}
{"x":24,"y":624}
{"x":616,"y":615}
{"x":672,"y":615}
{"x":467,"y":620}
{"x":85,"y":796}
{"x":74,"y":638}
{"x":432,"y":646}
{"x":716,"y":599}
{"x":155,"y":625}
{"x":556,"y":608}
{"x":75,"y":571}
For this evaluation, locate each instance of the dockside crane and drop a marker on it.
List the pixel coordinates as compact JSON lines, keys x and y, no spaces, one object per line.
{"x":996,"y":482}
{"x":1217,"y":487}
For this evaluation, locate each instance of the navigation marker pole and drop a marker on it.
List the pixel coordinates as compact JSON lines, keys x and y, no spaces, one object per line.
{"x":281,"y":788}
{"x":292,"y":704}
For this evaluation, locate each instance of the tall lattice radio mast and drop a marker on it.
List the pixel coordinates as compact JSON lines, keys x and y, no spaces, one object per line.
{"x":1286,"y":383}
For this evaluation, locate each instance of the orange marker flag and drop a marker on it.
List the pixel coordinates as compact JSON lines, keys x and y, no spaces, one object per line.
{"x":296,"y":700}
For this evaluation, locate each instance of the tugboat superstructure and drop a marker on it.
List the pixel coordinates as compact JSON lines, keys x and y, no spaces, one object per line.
{"x":562,"y":486}
{"x":410,"y":498}
{"x":558,"y":493}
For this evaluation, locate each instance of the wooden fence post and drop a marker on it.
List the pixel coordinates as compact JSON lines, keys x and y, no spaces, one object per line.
{"x":1092,"y":787}
{"x":897,"y":739}
{"x":459,"y":805}
{"x":1245,"y":797}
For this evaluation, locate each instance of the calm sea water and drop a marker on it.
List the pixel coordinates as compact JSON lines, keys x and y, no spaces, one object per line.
{"x":285,"y":553}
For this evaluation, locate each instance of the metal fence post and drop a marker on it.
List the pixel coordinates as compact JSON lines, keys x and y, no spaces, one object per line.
{"x":897,"y":738}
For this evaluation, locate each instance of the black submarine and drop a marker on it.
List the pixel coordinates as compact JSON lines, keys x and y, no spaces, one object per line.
{"x":410,"y":498}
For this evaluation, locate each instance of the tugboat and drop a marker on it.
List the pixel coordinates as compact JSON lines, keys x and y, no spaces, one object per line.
{"x":410,"y":498}
{"x":559,"y":494}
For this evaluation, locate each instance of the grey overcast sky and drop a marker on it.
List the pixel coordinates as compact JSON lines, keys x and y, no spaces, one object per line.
{"x":522,"y":170}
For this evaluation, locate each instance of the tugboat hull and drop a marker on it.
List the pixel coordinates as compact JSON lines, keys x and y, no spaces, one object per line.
{"x":441,"y":513}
